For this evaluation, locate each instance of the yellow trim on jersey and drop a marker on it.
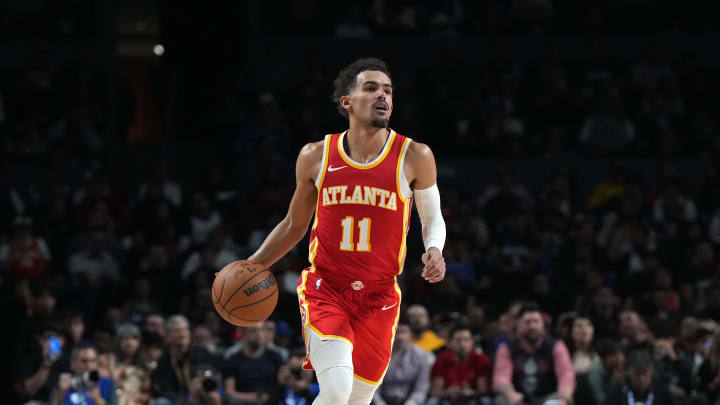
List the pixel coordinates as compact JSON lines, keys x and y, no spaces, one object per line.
{"x":344,"y":339}
{"x":403,"y":242}
{"x":326,"y":158}
{"x":365,"y":380}
{"x":392,"y":339}
{"x":313,"y":247}
{"x":377,"y":161}
{"x":397,"y":318}
{"x":405,"y":144}
{"x":301,"y":293}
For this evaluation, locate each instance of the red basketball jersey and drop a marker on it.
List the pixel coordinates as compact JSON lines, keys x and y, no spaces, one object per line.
{"x":362,"y":217}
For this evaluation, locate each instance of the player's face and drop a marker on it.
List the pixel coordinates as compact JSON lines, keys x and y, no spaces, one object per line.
{"x":371,"y":100}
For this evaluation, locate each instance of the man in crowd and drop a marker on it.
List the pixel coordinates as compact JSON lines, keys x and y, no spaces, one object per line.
{"x":461,"y":373}
{"x":36,"y":366}
{"x":298,"y":385}
{"x":533,"y":368}
{"x":422,"y":335}
{"x":179,"y":374}
{"x":252,"y":374}
{"x":407,"y":379}
{"x":83,"y":385}
{"x":607,"y":376}
{"x":643,"y":387}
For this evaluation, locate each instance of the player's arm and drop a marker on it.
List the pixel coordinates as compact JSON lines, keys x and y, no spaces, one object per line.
{"x":421,"y":172}
{"x":295,"y":224}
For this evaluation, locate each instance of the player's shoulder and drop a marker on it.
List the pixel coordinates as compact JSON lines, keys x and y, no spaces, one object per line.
{"x":310,"y":159}
{"x":418,"y":151}
{"x":312,"y":148}
{"x":312,"y":152}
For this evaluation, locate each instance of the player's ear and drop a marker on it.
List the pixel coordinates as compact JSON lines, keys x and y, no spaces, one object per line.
{"x":345,"y":103}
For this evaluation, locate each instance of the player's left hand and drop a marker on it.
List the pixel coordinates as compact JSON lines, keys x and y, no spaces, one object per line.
{"x":434,"y":270}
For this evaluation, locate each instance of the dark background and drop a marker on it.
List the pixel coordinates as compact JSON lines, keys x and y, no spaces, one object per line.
{"x":577,"y":141}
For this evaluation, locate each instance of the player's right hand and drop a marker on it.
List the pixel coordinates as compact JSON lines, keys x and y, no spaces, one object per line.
{"x":434,"y":270}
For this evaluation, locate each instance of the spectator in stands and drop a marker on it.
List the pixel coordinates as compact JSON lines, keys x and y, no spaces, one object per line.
{"x":25,"y":253}
{"x":580,"y":345}
{"x":407,"y":380}
{"x":204,"y":219}
{"x":160,"y":187}
{"x":155,"y":323}
{"x":610,"y":130}
{"x":298,"y":385}
{"x":643,"y":385}
{"x":268,"y":329}
{"x":95,"y":265}
{"x":633,"y":330}
{"x":74,"y":329}
{"x":172,"y":376}
{"x":126,"y":367}
{"x":218,"y":251}
{"x":142,"y":302}
{"x":673,"y":210}
{"x":422,"y":335}
{"x":12,"y":204}
{"x":83,"y":384}
{"x":534,"y":367}
{"x":151,"y":351}
{"x":461,"y":373}
{"x":606,"y":376}
{"x":710,"y":371}
{"x":252,"y":374}
{"x":126,"y":350}
{"x":36,"y":366}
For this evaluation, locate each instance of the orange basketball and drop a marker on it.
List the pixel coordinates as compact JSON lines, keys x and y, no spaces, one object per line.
{"x":244,"y":295}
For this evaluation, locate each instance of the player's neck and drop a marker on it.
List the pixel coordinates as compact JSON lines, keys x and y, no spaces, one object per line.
{"x":364,"y":143}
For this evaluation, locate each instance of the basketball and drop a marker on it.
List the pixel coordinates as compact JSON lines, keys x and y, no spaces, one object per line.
{"x":244,"y":295}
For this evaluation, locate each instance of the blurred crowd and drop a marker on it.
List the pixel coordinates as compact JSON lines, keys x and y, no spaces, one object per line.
{"x":607,"y":297}
{"x":588,"y":101}
{"x":471,"y":18}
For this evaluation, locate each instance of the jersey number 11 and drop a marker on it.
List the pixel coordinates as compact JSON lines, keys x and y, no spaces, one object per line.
{"x":363,"y":243}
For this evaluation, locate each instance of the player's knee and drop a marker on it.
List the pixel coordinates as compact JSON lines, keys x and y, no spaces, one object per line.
{"x":336,"y":384}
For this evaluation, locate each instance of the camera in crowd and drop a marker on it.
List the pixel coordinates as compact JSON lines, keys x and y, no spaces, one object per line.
{"x":87,"y":381}
{"x":296,"y":372}
{"x":211,"y":378}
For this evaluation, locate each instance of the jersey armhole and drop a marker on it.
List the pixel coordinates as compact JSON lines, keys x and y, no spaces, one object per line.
{"x":319,"y":177}
{"x":403,"y":184}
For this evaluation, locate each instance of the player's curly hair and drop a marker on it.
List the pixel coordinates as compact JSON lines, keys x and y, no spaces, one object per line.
{"x":346,"y":79}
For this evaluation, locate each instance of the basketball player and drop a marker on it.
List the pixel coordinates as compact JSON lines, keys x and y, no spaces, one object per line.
{"x":360,"y":184}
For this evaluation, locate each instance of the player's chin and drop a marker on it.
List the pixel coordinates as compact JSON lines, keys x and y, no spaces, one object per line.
{"x":379,"y":122}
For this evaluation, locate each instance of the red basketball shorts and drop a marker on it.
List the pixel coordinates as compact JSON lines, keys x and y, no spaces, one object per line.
{"x":362,"y":314}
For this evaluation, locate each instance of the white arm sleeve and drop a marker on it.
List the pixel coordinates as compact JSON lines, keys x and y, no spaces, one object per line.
{"x":433,"y":225}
